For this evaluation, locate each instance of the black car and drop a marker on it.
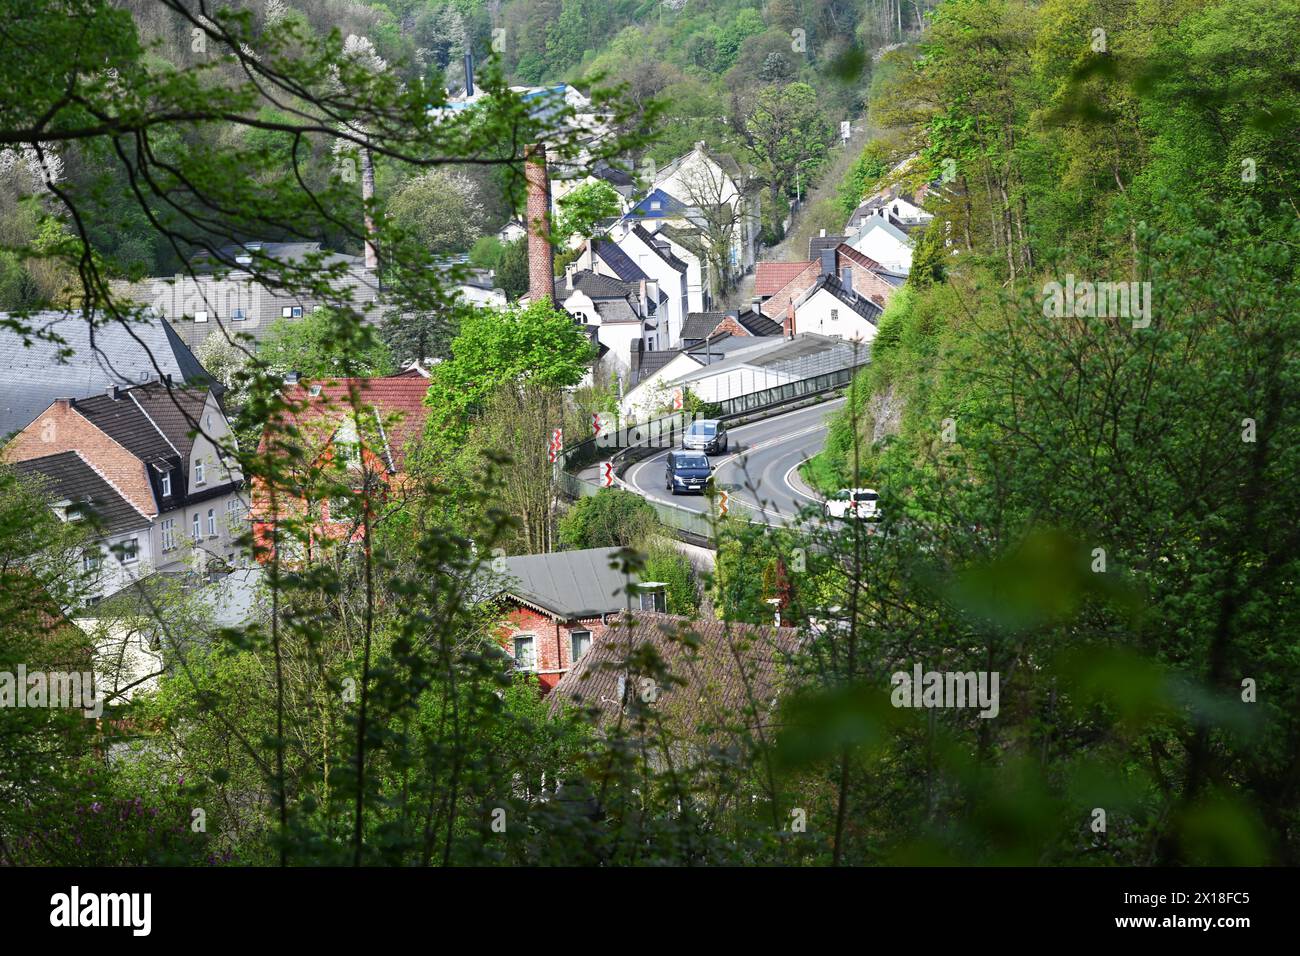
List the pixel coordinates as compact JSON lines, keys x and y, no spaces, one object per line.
{"x":688,"y":471}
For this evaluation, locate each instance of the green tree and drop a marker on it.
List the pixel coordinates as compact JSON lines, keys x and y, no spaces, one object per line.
{"x":611,"y":518}
{"x":323,"y":344}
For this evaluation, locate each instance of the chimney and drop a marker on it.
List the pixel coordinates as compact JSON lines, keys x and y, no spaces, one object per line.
{"x":541,"y":255}
{"x":789,"y":321}
{"x":469,"y":73}
{"x":645,"y":308}
{"x":367,"y":200}
{"x":111,"y":392}
{"x":846,"y":278}
{"x":828,"y":262}
{"x":291,"y":378}
{"x":568,"y":277}
{"x":756,"y":304}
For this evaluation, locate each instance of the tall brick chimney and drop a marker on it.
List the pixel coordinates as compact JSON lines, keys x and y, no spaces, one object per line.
{"x":541,"y":256}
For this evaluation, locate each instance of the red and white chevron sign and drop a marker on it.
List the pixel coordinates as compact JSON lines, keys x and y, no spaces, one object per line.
{"x":723,"y":502}
{"x":595,"y":423}
{"x":557,"y":442}
{"x":607,"y":474}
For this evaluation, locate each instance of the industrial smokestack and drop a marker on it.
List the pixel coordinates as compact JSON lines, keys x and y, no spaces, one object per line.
{"x":469,"y":73}
{"x":367,"y":200}
{"x":541,"y":255}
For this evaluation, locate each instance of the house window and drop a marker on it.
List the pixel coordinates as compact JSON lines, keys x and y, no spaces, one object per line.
{"x":198,"y":471}
{"x":232,"y":509}
{"x":167,"y":483}
{"x":653,"y":600}
{"x":650,"y":344}
{"x":92,"y":560}
{"x":835,"y":315}
{"x":291,"y":312}
{"x":238,"y":315}
{"x":212,"y":523}
{"x":526,"y":652}
{"x":656,"y":205}
{"x":168,"y":529}
{"x":196,"y":527}
{"x":200,"y":316}
{"x":129,"y":551}
{"x":579,"y":641}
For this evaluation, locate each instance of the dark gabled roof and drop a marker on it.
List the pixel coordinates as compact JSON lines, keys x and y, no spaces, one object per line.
{"x":645,"y":364}
{"x":659,"y":247}
{"x":568,"y":584}
{"x":228,"y":256}
{"x":615,"y":177}
{"x":700,"y":324}
{"x":67,"y":477}
{"x":176,"y":413}
{"x":730,"y":674}
{"x":860,"y":304}
{"x":124,"y":421}
{"x":596,"y":286}
{"x":618,"y":260}
{"x":756,"y":323}
{"x":616,"y":310}
{"x":32,"y":375}
{"x":818,"y":243}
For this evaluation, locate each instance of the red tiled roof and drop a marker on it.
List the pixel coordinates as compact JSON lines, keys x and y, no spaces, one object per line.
{"x":848,"y":252}
{"x":772,"y":277}
{"x":398,"y":399}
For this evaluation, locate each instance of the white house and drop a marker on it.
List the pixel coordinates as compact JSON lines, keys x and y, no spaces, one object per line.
{"x":632,"y":254}
{"x":619,"y":313}
{"x":884,"y":239}
{"x":830,"y":307}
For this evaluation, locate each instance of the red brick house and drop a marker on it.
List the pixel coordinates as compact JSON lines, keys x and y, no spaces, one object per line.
{"x":322,"y":447}
{"x":555,"y":605}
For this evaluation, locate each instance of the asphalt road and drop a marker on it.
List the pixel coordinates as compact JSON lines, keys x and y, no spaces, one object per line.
{"x":759,"y":470}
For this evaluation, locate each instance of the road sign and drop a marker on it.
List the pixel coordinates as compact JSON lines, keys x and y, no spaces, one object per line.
{"x":595,"y":423}
{"x":557,"y":442}
{"x":607,"y":474}
{"x":723,"y":501}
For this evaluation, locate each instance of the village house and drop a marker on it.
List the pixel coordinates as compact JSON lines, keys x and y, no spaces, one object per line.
{"x":151,"y":465}
{"x":224,"y":295}
{"x":324,"y":445}
{"x":554,"y":606}
{"x":727,"y":678}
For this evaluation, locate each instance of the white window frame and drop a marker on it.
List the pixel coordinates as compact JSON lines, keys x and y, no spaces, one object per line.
{"x":238,"y":315}
{"x":167,"y":529}
{"x":201,"y":316}
{"x":130,"y":551}
{"x":199,"y":477}
{"x":92,"y":559}
{"x":212,"y":523}
{"x":196,"y":528}
{"x":574,"y":658}
{"x":515,"y":640}
{"x":166,"y":482}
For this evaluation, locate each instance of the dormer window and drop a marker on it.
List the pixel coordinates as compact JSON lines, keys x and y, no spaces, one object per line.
{"x":166,"y":482}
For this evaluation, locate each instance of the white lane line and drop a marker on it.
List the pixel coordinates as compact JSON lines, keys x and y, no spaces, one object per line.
{"x":795,"y":488}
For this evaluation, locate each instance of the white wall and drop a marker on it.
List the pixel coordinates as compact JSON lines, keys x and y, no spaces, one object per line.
{"x":816,"y":315}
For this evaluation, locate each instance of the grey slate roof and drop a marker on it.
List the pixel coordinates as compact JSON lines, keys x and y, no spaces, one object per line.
{"x":176,"y":413}
{"x":67,"y":477}
{"x":645,"y":364}
{"x":700,"y":324}
{"x":596,"y":286}
{"x":818,"y":243}
{"x":295,"y":252}
{"x":860,"y":304}
{"x":618,"y":260}
{"x":122,"y":420}
{"x":616,"y":310}
{"x":756,"y":323}
{"x":32,"y":376}
{"x":569,"y":584}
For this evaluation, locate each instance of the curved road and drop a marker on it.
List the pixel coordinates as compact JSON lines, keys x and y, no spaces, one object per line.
{"x":759,"y":469}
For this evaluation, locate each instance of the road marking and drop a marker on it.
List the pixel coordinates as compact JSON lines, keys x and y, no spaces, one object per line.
{"x":791,"y":485}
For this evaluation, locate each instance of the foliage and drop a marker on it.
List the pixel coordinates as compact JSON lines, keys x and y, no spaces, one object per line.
{"x":611,"y":518}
